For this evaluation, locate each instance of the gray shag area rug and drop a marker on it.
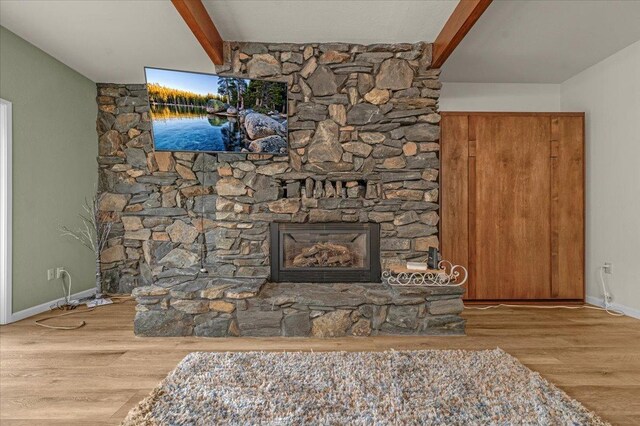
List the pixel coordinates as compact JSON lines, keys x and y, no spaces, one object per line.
{"x":430,"y":387}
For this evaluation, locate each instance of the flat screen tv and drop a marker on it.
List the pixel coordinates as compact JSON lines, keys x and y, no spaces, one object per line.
{"x":208,"y":113}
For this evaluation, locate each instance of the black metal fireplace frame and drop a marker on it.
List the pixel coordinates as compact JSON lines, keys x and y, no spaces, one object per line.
{"x":327,"y":275}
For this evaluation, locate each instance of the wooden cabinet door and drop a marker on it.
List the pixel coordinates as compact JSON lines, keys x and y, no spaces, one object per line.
{"x":567,"y":207}
{"x":512,"y":202}
{"x":454,"y":192}
{"x":510,"y":212}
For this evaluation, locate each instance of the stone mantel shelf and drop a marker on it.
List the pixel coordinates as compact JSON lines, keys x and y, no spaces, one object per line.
{"x":345,"y":176}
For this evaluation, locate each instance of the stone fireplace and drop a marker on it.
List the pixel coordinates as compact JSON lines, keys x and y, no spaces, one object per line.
{"x":325,"y":252}
{"x":363,"y":151}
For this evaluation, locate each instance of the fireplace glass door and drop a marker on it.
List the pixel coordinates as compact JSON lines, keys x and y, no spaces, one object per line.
{"x":329,"y":252}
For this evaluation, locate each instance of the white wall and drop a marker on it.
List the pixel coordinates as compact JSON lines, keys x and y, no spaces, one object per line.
{"x":609,"y":93}
{"x":500,"y":97}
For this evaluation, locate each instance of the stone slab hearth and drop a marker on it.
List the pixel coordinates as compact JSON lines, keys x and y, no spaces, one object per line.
{"x":200,"y":305}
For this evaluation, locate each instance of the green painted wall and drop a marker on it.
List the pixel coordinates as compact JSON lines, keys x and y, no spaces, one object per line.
{"x":54,"y":167}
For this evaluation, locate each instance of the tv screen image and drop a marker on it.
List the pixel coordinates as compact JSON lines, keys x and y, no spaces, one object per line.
{"x":208,"y":113}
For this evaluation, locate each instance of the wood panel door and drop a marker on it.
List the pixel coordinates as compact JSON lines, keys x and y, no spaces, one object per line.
{"x":567,"y":207}
{"x":512,"y":203}
{"x":511,"y":207}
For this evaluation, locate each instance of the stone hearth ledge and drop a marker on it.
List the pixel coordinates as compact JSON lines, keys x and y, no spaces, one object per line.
{"x":207,"y":306}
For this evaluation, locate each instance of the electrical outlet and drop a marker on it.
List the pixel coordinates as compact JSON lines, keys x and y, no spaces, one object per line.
{"x":59,"y":271}
{"x":50,"y":274}
{"x":608,"y":268}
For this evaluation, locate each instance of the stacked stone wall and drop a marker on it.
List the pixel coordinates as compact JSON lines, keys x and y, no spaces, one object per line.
{"x":363,"y":147}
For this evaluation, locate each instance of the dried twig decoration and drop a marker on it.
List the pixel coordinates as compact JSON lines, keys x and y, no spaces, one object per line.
{"x":93,"y":234}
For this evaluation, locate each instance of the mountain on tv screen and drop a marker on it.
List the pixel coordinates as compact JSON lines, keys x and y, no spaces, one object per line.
{"x":209,"y":113}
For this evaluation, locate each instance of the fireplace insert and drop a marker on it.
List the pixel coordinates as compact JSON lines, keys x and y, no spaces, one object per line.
{"x":325,"y":252}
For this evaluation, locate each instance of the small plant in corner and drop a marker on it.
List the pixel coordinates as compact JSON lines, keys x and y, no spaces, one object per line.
{"x":93,"y":234}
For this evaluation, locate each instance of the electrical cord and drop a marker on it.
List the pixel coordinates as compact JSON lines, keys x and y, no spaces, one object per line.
{"x":607,"y":303}
{"x":40,"y":322}
{"x":67,"y":297}
{"x":610,"y":311}
{"x":607,"y":296}
{"x":65,"y":303}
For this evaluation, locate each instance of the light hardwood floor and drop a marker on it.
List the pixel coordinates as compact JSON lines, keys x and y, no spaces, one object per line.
{"x":96,"y":374}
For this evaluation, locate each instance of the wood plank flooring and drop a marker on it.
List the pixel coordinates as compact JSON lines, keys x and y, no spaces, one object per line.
{"x":94,"y":375}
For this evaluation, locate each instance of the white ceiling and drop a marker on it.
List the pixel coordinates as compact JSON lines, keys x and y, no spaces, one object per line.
{"x":112,"y":40}
{"x":354,"y":21}
{"x":514,"y":41}
{"x":108,"y":41}
{"x":542,"y":41}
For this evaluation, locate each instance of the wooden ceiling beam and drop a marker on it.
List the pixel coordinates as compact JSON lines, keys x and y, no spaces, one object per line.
{"x":464,"y":16}
{"x":198,"y":20}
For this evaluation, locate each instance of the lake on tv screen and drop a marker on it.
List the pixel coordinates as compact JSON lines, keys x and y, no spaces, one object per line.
{"x":191,"y":130}
{"x":200,"y":112}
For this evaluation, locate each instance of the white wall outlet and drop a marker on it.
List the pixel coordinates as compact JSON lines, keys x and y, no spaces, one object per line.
{"x":608,"y":268}
{"x":50,"y":274}
{"x":59,"y":271}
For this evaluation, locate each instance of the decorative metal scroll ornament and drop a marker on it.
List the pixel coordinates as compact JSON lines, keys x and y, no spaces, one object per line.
{"x":447,"y":275}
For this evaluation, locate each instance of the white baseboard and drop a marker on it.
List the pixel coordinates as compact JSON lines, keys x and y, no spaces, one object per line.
{"x":630,"y":312}
{"x":44,"y":307}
